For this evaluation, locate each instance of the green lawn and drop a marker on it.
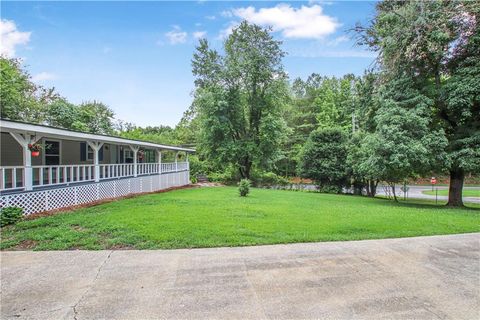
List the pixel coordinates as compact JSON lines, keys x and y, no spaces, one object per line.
{"x":444,"y":192}
{"x":210,"y":217}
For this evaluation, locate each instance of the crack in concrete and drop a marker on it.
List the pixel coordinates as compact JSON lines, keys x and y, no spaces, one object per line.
{"x":74,"y":307}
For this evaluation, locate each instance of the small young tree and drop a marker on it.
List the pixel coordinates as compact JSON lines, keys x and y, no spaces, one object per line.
{"x":324,"y":159}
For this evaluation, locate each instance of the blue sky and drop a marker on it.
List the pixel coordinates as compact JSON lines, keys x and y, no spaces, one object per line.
{"x":135,"y":56}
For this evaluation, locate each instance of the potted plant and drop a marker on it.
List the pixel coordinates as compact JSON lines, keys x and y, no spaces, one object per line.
{"x":141,"y":154}
{"x":35,"y":149}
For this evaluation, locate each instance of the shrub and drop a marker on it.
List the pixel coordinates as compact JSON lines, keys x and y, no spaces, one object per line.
{"x":228,"y":176}
{"x":10,"y":215}
{"x":244,"y":187}
{"x":268,"y":179}
{"x":330,"y":189}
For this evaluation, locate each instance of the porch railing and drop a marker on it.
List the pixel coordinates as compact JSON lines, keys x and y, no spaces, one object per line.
{"x":13,"y":177}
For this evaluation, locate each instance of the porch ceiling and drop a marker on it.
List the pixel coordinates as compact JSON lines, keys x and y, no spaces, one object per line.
{"x":53,"y":132}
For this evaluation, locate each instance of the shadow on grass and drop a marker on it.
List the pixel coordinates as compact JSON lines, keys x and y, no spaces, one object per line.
{"x":424,"y":204}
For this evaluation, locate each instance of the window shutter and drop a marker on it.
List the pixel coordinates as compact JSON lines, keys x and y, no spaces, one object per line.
{"x":121,"y":156}
{"x":83,"y":151}
{"x":100,"y":154}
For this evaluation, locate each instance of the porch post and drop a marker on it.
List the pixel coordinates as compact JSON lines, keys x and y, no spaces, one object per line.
{"x":176,"y":161}
{"x":135,"y":152}
{"x":159,"y":160}
{"x":186,"y":159}
{"x":24,"y":140}
{"x":96,"y":145}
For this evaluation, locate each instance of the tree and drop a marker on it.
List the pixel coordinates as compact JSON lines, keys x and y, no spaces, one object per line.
{"x":324,"y":159}
{"x":23,"y":100}
{"x":95,"y":117}
{"x":20,"y":98}
{"x":239,"y":98}
{"x":436,"y":43}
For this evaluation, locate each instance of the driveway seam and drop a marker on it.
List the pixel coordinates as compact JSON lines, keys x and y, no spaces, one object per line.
{"x":254,"y":291}
{"x":74,"y":307}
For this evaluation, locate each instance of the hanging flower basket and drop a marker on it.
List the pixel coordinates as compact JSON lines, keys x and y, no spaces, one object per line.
{"x":141,"y":153}
{"x":35,"y":149}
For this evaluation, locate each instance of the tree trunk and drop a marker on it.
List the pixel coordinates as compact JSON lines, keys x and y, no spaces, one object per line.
{"x":248,"y":167}
{"x":393,"y":191}
{"x":372,"y":188}
{"x":456,"y":187}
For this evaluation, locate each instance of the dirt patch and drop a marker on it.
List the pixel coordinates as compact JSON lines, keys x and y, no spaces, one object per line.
{"x":298,"y":180}
{"x":208,"y":184}
{"x":121,"y":246}
{"x":78,"y":228}
{"x":25,"y":245}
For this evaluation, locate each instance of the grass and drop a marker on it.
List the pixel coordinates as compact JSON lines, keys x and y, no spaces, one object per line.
{"x":444,"y":192}
{"x":211,"y":217}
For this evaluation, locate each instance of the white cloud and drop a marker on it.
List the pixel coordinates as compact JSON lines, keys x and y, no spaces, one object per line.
{"x":304,"y":22}
{"x":226,"y":14}
{"x":10,"y":37}
{"x":176,"y":35}
{"x":44,"y":76}
{"x":199,"y":34}
{"x":210,"y":17}
{"x":335,"y":42}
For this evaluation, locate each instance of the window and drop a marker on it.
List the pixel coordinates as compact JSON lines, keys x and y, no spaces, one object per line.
{"x":86,"y":152}
{"x":149,"y":156}
{"x":52,"y":152}
{"x":89,"y":152}
{"x":127,"y":156}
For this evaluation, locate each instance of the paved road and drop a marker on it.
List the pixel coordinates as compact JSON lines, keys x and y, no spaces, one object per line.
{"x":416,"y":192}
{"x":424,"y":278}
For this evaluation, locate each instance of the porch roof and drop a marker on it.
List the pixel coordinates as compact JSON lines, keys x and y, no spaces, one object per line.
{"x":53,"y":132}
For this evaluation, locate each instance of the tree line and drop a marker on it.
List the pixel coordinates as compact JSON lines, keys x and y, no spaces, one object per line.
{"x":416,"y":112}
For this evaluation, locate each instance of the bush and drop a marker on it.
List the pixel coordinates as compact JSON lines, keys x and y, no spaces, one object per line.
{"x":10,"y":215}
{"x":244,"y":187}
{"x":330,"y":189}
{"x":228,"y":176}
{"x":268,"y":179}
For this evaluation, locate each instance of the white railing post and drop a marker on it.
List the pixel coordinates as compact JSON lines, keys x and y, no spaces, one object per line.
{"x":159,"y":160}
{"x":27,"y":171}
{"x":135,"y":152}
{"x":95,"y":145}
{"x":176,"y":161}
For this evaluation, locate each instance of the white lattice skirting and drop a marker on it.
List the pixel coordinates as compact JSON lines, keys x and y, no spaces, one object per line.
{"x":62,"y":197}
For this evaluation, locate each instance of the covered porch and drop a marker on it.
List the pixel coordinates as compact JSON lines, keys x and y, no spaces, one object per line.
{"x":68,"y":158}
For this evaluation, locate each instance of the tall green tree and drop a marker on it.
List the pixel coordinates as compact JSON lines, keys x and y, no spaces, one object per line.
{"x":436,"y":44}
{"x":240,"y":97}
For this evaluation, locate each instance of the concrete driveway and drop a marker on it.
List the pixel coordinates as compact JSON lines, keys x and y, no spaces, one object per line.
{"x":424,"y":278}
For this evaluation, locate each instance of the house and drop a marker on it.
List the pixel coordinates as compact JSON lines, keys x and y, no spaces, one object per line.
{"x":74,"y":168}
